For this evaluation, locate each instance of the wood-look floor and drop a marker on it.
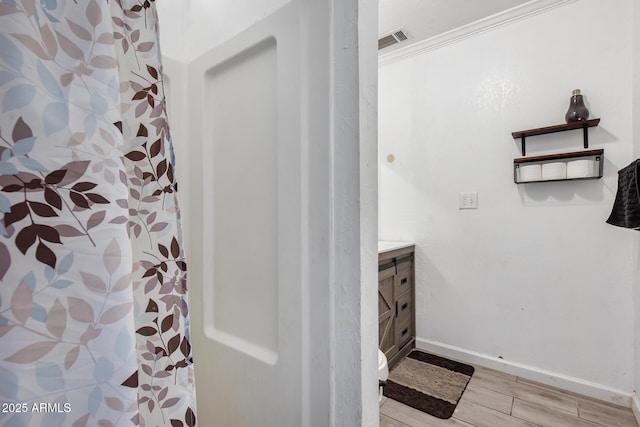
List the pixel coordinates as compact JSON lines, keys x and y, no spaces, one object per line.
{"x":495,"y":399}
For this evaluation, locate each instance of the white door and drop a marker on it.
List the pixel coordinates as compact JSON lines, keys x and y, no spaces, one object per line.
{"x":274,"y":343}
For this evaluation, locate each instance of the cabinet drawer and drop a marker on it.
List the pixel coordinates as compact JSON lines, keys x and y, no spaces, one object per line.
{"x":404,"y":309}
{"x":404,"y":319}
{"x":403,"y":282}
{"x":404,"y":333}
{"x":404,"y":263}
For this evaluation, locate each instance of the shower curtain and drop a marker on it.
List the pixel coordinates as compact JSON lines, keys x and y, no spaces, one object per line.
{"x":94,"y":323}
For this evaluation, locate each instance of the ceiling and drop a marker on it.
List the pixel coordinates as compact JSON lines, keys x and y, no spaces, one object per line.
{"x":423,"y":19}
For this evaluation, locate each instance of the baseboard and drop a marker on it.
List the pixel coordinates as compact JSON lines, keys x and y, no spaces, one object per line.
{"x":635,"y":407}
{"x":532,"y":373}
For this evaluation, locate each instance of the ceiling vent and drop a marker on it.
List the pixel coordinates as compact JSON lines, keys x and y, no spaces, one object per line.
{"x":391,"y":39}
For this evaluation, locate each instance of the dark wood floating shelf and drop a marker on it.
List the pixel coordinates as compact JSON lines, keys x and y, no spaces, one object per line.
{"x":584,"y":125}
{"x":597,"y":156}
{"x":584,"y":153}
{"x":556,"y":128}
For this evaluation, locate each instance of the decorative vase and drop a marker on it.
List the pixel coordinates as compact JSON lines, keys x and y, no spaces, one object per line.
{"x":577,"y":110}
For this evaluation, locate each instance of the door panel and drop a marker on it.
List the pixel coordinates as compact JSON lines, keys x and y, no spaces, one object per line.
{"x":275,"y":269}
{"x":244,"y":189}
{"x":247,"y":322}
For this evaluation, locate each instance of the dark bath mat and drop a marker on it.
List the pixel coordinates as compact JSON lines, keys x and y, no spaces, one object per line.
{"x":429,"y":383}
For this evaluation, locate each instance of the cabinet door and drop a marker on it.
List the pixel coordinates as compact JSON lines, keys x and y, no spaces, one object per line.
{"x":386,"y":312}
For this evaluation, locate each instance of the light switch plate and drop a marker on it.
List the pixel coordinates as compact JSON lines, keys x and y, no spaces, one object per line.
{"x":468,"y":200}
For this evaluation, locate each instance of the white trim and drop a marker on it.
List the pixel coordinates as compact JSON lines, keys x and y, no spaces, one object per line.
{"x":531,"y":8}
{"x":635,"y":407}
{"x":555,"y":379}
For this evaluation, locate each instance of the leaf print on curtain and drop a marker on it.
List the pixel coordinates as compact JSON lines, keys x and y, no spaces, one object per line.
{"x":94,"y":322}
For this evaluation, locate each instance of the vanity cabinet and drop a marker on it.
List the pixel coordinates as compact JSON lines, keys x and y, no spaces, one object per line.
{"x":396,"y":303}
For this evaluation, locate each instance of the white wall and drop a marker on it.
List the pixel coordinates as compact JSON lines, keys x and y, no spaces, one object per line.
{"x":533,"y":281}
{"x":173,"y":16}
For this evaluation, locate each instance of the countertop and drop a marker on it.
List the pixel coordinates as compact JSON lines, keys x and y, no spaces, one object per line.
{"x":386,"y":246}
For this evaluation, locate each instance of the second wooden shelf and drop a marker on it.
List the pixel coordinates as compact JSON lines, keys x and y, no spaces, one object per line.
{"x":586,"y":164}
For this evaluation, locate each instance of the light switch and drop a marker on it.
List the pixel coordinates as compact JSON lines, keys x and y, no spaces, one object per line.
{"x":468,"y":200}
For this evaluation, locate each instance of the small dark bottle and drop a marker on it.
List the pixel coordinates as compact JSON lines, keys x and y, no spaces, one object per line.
{"x":577,"y":110}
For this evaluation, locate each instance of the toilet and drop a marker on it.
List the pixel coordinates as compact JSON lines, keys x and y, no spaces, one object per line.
{"x":383,"y":372}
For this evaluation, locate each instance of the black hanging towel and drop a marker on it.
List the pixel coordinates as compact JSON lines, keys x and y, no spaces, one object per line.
{"x":626,"y":208}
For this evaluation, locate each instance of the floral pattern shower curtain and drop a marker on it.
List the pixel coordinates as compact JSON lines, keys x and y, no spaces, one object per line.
{"x":93,"y":309}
